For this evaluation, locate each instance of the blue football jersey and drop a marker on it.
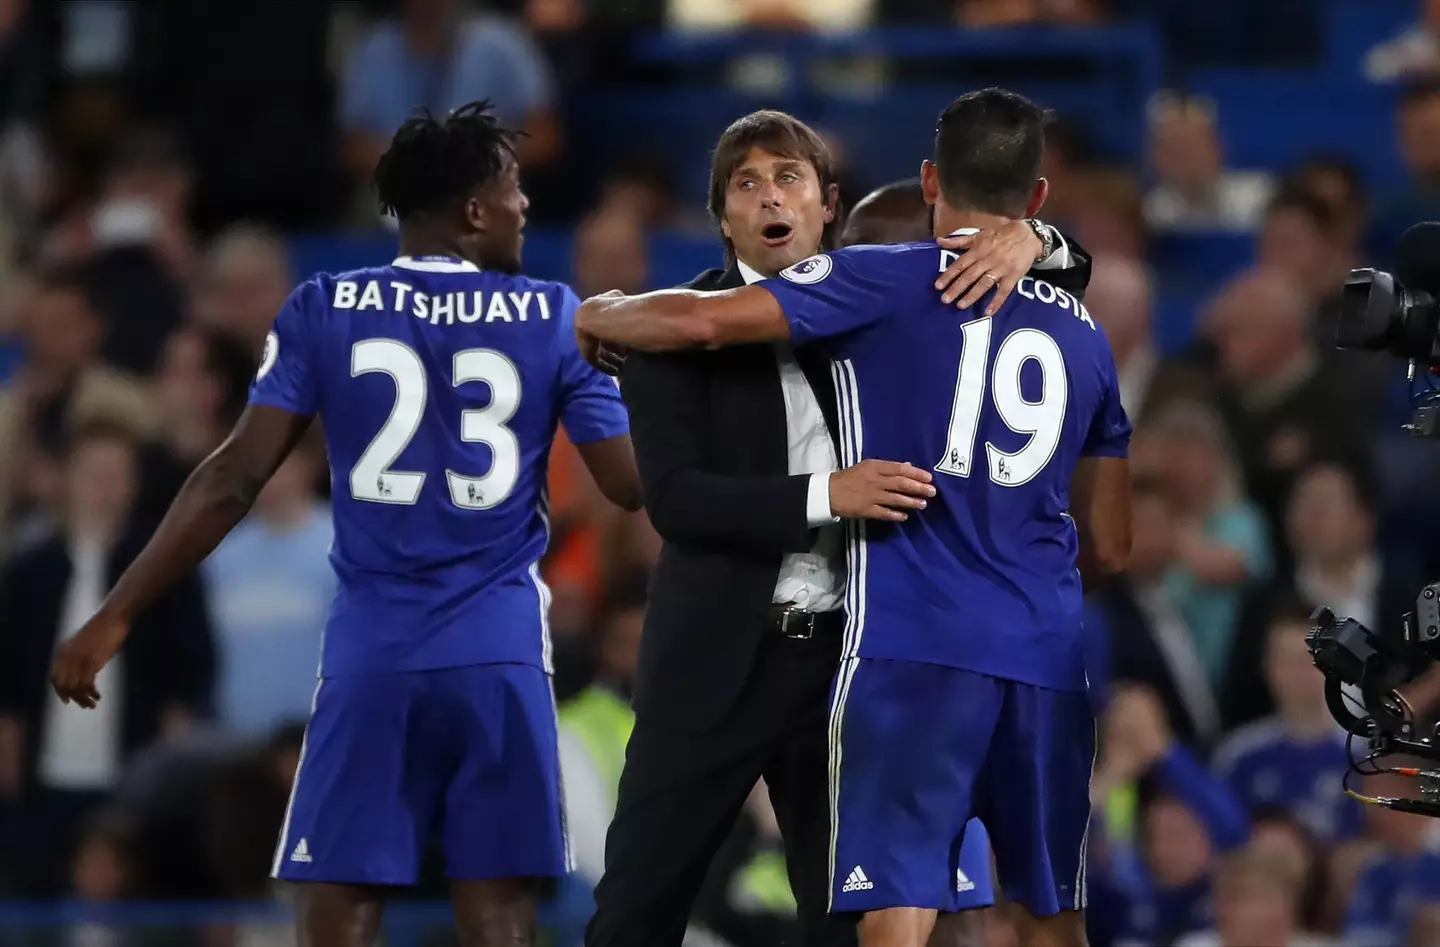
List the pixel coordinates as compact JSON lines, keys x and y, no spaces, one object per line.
{"x":1001,"y":409}
{"x":440,"y":387}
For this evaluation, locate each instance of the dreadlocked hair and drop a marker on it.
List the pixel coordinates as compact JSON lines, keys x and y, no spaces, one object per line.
{"x":434,"y":162}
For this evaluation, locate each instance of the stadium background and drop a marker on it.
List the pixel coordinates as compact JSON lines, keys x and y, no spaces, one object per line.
{"x":169,"y":169}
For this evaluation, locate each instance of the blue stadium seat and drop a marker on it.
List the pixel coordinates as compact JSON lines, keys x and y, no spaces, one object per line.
{"x":1202,"y":257}
{"x":1273,"y":119}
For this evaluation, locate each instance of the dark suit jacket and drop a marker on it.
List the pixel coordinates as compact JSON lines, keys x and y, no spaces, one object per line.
{"x":710,"y":439}
{"x":169,"y":658}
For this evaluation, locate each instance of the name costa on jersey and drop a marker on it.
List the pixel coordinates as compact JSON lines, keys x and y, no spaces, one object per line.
{"x":443,"y":308}
{"x":1036,"y":289}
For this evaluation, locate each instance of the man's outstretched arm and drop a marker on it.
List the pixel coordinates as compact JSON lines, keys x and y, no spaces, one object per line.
{"x":672,"y":319}
{"x":214,"y":499}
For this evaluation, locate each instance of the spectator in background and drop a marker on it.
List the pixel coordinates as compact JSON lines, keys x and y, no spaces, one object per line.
{"x":1257,"y":902}
{"x":1221,"y":541}
{"x":437,"y":56}
{"x":1400,"y":874}
{"x":144,"y":199}
{"x":1330,"y":532}
{"x":643,"y":188}
{"x":595,"y":725}
{"x":70,"y":758}
{"x":1281,"y":407}
{"x":1335,"y":180}
{"x":1120,"y":297}
{"x":1418,"y":131}
{"x":1300,"y":238}
{"x":1294,"y":760}
{"x":1415,"y":53}
{"x":272,"y":584}
{"x":737,"y":14}
{"x":201,"y":390}
{"x":1107,"y":211}
{"x":60,"y":385}
{"x":1137,"y":633}
{"x":1161,"y":867}
{"x":1276,"y":833}
{"x":1193,"y":188}
{"x":244,"y":281}
{"x":610,"y":253}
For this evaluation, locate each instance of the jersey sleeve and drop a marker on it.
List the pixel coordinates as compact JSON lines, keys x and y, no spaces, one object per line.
{"x":287,"y":376}
{"x":834,"y":293}
{"x":591,"y":407}
{"x":1109,"y":434}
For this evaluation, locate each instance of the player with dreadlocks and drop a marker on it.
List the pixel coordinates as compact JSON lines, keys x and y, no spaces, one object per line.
{"x":441,"y":378}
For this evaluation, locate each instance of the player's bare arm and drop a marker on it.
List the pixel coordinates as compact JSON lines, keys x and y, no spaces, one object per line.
{"x":1100,"y":505}
{"x":217,"y":496}
{"x":612,"y":463}
{"x":673,"y":319}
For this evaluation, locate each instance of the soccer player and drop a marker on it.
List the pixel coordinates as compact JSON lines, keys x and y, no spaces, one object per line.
{"x":962,"y":688}
{"x":441,"y":378}
{"x":898,"y":213}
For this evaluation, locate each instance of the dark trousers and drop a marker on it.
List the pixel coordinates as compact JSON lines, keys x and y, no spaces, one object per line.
{"x":681,"y":792}
{"x":49,"y":833}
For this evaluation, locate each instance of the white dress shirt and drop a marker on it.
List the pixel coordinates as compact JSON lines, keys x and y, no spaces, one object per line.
{"x":80,"y":749}
{"x":813,"y":581}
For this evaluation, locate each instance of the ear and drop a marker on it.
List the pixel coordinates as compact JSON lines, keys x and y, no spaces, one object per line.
{"x":1037,"y":197}
{"x":476,"y":215}
{"x":930,"y":181}
{"x":832,"y":202}
{"x":725,"y":227}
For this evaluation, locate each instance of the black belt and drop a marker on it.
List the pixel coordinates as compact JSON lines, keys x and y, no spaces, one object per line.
{"x":791,"y":622}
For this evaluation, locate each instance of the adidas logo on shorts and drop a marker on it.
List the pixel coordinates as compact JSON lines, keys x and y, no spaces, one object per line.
{"x":962,"y":882}
{"x":857,"y":881}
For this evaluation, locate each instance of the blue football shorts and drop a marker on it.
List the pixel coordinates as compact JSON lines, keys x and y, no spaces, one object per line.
{"x":920,"y":750}
{"x":391,"y":762}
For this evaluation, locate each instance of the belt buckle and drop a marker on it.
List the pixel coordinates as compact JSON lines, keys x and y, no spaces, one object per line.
{"x":807,"y":621}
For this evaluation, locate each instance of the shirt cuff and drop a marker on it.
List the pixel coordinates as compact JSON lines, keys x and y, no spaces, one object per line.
{"x":817,"y":501}
{"x":1060,"y":258}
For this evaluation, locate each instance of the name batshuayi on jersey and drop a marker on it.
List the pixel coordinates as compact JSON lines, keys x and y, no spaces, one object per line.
{"x":1001,"y":409}
{"x":440,"y":387}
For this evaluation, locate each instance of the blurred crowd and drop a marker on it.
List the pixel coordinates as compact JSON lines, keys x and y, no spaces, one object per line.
{"x":153,"y":158}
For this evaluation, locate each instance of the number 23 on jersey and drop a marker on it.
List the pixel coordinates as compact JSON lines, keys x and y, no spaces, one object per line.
{"x":373,"y":480}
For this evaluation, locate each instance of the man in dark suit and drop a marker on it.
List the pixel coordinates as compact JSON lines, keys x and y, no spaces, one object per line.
{"x":60,"y":763}
{"x":743,"y":632}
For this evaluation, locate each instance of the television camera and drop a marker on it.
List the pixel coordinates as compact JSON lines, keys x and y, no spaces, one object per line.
{"x":1397,"y":313}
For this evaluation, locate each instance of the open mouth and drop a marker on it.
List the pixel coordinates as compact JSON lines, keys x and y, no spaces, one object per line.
{"x":776,"y":234}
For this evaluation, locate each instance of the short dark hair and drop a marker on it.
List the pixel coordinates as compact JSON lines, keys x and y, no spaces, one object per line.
{"x":1296,"y":198}
{"x":988,"y":147}
{"x":1419,"y":91}
{"x":897,"y":210}
{"x":433,"y":163}
{"x":779,"y":133}
{"x":1325,"y":162}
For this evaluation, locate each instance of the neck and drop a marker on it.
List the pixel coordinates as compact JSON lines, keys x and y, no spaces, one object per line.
{"x":949,"y":219}
{"x":423,"y":241}
{"x":100,"y":531}
{"x":1340,"y":574}
{"x":1307,"y":724}
{"x":763,"y":271}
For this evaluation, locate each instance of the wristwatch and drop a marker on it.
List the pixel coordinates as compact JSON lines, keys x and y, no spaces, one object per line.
{"x":1046,"y":235}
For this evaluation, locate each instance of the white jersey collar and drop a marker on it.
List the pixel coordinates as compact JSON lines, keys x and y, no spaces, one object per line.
{"x":435,"y":264}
